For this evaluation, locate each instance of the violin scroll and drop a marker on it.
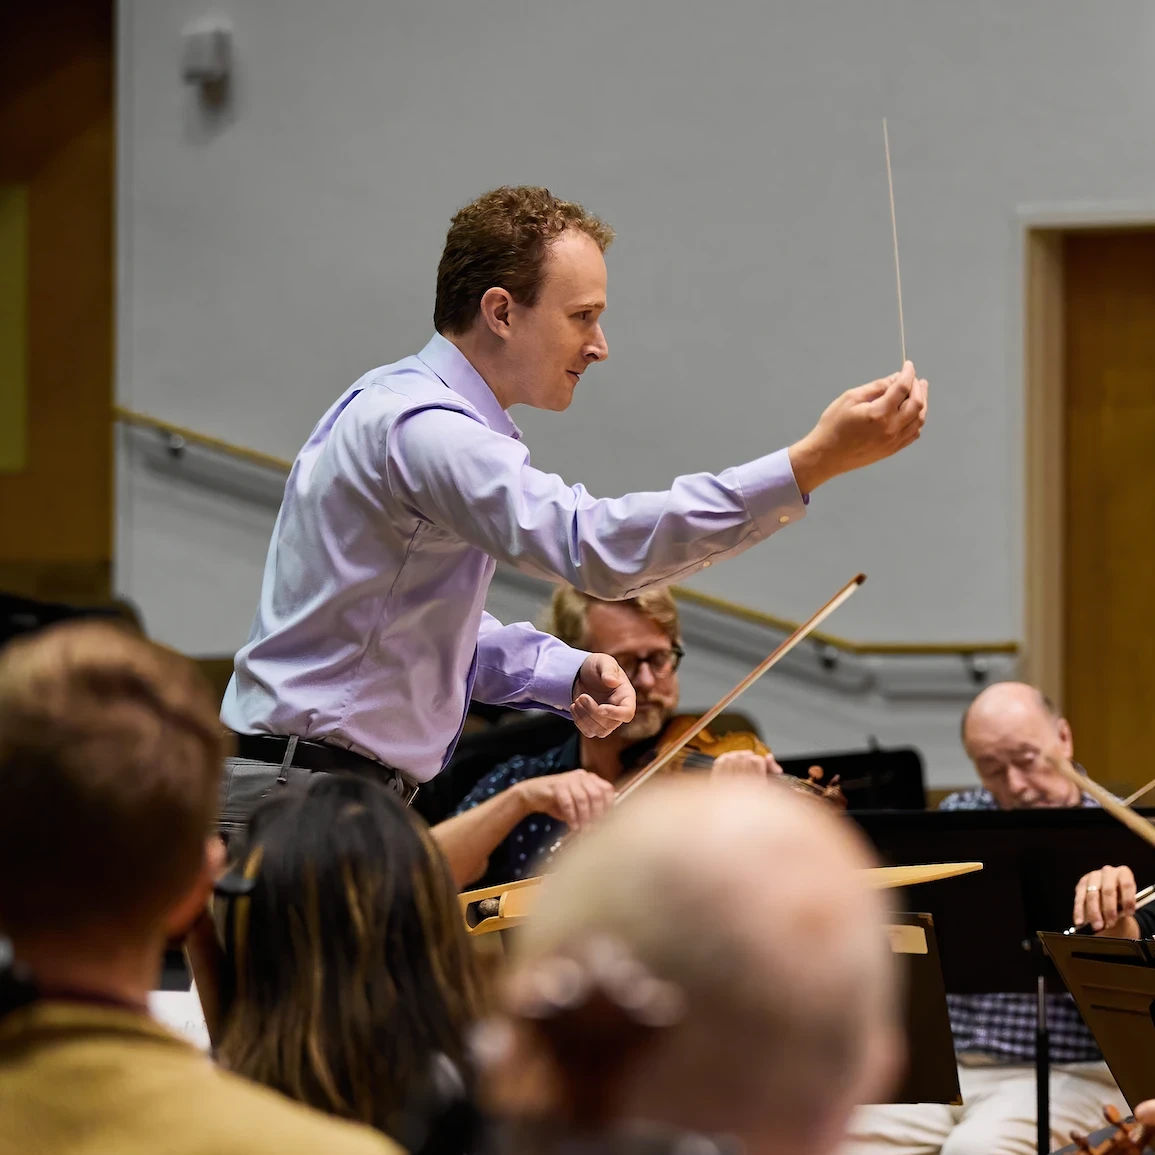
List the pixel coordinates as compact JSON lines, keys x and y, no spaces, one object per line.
{"x":813,"y":786}
{"x":1127,"y":1138}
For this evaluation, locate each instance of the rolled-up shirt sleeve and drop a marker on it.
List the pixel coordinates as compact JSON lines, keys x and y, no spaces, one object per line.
{"x":519,"y":665}
{"x":456,"y":473}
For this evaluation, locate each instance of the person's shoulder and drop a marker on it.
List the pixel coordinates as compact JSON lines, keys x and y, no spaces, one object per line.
{"x":256,"y":1119}
{"x":974,"y":799}
{"x":409,"y":386}
{"x":556,"y":760}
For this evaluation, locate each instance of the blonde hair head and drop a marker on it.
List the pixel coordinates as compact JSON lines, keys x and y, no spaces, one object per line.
{"x":569,"y":609}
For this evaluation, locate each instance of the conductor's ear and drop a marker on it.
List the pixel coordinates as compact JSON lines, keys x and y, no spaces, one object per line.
{"x":496,"y":306}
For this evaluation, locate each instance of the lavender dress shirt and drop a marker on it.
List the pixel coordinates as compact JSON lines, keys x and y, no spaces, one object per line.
{"x":371,"y":631}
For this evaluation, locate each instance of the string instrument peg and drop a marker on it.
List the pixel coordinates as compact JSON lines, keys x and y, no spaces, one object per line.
{"x":1128,"y":1138}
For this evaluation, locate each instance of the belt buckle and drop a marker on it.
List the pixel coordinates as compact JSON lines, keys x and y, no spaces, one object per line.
{"x":402,"y":789}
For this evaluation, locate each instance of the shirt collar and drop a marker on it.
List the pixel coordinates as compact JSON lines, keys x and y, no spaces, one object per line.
{"x":51,"y":1017}
{"x":453,"y":368}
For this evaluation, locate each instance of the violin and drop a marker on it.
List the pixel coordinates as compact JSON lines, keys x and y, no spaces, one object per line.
{"x":497,"y":907}
{"x":686,"y":745}
{"x":512,"y":901}
{"x":1120,"y":1138}
{"x":703,"y":750}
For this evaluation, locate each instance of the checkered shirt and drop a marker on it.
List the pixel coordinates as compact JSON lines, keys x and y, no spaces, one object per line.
{"x":1004,"y":1024}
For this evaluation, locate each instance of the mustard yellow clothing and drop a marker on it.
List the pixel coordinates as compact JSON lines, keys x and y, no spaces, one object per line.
{"x":87,"y":1079}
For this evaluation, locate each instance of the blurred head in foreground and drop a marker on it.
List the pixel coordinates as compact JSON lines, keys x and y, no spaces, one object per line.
{"x":349,"y":962}
{"x":748,"y":907}
{"x":110,"y":760}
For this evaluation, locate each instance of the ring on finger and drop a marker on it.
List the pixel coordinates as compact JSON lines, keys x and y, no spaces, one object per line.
{"x":1092,"y":889}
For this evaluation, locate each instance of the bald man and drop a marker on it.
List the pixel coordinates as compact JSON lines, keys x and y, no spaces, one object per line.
{"x":1013,"y":735}
{"x":772,"y":941}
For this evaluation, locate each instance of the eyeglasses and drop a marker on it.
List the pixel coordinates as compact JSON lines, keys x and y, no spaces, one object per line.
{"x":662,"y":663}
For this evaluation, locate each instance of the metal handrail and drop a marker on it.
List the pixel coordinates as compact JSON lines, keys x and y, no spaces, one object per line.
{"x":692,"y":597}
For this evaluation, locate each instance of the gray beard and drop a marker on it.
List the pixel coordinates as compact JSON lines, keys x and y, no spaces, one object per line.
{"x":646,"y":723}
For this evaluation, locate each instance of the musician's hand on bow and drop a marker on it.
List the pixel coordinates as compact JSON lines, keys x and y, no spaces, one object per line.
{"x":1106,"y":899}
{"x":744,"y":764}
{"x":1145,"y":1112}
{"x":576,"y":797}
{"x":862,"y":426}
{"x":603,"y":697}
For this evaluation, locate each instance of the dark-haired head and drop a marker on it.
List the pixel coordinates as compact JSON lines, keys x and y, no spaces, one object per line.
{"x":349,"y":960}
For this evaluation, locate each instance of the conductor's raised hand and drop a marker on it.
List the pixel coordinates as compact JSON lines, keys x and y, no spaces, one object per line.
{"x":603,"y":697}
{"x":862,"y":426}
{"x":1105,"y":897}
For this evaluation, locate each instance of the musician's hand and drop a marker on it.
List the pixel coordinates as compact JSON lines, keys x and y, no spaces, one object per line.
{"x":577,"y":797}
{"x":603,"y":697}
{"x":1145,"y":1112}
{"x":862,"y":426}
{"x":744,"y":764}
{"x":1105,"y":897}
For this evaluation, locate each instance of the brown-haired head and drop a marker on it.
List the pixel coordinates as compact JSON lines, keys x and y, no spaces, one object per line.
{"x":110,"y":762}
{"x":349,"y":963}
{"x":501,"y":239}
{"x":520,"y":291}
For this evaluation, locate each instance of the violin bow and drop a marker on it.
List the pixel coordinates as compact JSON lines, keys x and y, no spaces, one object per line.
{"x":1131,"y":799}
{"x":467,"y":898}
{"x":1136,"y":823}
{"x":784,"y":647}
{"x":799,"y":635}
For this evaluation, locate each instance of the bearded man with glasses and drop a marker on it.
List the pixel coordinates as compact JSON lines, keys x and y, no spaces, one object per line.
{"x":524,"y":805}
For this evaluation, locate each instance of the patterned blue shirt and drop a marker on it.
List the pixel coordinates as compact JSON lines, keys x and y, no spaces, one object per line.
{"x":1003,"y":1024}
{"x":518,"y":856}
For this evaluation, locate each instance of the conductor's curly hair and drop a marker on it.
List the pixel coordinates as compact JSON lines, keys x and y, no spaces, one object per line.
{"x":501,"y":240}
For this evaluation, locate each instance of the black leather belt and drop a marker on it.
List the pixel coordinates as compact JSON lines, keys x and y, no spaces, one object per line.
{"x":318,"y":756}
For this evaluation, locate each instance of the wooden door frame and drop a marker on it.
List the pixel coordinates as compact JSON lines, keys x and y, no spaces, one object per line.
{"x":1039,"y":352}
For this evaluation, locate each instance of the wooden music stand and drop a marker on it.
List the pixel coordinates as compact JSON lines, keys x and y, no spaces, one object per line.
{"x":512,"y":902}
{"x":931,"y":1071}
{"x":931,"y":1074}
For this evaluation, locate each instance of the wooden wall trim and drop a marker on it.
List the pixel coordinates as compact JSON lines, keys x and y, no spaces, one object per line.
{"x":1042,"y":658}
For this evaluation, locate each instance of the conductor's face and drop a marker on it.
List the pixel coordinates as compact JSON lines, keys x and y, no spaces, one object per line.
{"x":549,"y":344}
{"x":1014,"y":741}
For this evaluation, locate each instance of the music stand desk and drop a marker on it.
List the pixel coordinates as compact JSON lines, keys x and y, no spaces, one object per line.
{"x":1113,"y":983}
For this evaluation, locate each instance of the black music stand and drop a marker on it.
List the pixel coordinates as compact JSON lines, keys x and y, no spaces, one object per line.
{"x":877,"y":778}
{"x":986,"y":923}
{"x":1113,"y":983}
{"x":931,"y":1074}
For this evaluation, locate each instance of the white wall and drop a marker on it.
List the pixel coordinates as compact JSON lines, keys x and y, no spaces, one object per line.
{"x":271,"y":256}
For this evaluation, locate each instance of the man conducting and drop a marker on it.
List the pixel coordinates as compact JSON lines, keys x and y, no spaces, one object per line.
{"x":370,"y":635}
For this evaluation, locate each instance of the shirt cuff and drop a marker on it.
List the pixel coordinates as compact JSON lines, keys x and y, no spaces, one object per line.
{"x":770,"y":491}
{"x":554,"y":675}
